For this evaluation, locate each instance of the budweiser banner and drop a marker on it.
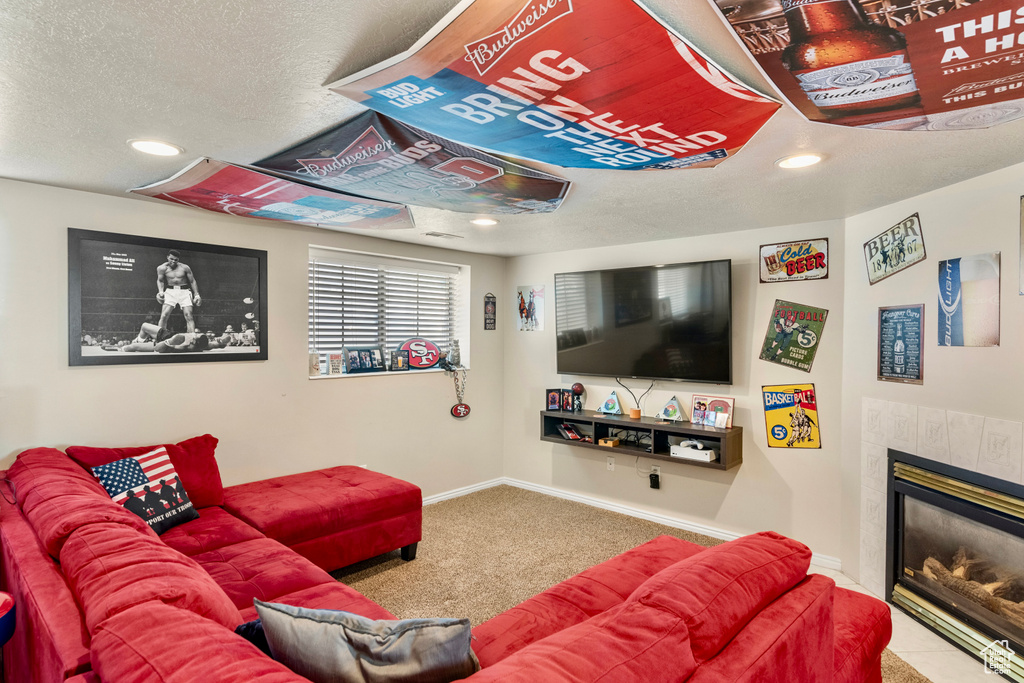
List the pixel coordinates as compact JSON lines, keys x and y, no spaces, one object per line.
{"x":226,"y":188}
{"x":803,"y":260}
{"x":926,"y":65}
{"x":375,"y":156}
{"x":575,"y":83}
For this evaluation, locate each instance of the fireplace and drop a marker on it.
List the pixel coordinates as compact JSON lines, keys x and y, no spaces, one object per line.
{"x":955,"y":557}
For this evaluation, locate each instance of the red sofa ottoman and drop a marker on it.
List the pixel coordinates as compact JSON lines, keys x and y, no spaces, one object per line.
{"x":335,"y":516}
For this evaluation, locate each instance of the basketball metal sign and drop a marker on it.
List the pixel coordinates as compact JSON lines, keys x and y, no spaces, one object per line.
{"x":423,"y":353}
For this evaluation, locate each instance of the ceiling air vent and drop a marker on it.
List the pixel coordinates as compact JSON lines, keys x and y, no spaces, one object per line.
{"x":442,"y":235}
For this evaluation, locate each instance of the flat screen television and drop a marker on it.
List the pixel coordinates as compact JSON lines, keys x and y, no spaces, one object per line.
{"x":669,"y":322}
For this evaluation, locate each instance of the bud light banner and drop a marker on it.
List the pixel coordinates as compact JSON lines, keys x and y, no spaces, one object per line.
{"x":793,"y":335}
{"x":934,"y":65}
{"x":573,"y":83}
{"x":226,"y":188}
{"x":969,"y":301}
{"x":789,"y":261}
{"x":896,"y":249}
{"x":377,"y":157}
{"x":791,"y":416}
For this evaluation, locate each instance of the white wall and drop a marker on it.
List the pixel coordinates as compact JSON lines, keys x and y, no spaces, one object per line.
{"x":973,"y":217}
{"x":793,"y":491}
{"x":270,"y":418}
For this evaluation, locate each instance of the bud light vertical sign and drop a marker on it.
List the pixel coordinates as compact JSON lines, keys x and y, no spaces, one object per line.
{"x":951,"y":310}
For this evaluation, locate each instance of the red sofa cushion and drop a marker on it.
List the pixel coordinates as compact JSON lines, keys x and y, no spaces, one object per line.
{"x":111,"y":568}
{"x":214,"y":529}
{"x":863,"y":627}
{"x":630,"y":642}
{"x":332,"y":595}
{"x":261,"y":568}
{"x":577,"y":599}
{"x":156,"y":643}
{"x":57,"y":497}
{"x":301,"y":507}
{"x":789,"y":641}
{"x":193,"y":459}
{"x":719,"y":590}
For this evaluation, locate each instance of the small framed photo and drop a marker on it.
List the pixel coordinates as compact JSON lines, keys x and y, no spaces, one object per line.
{"x":363,"y":359}
{"x":567,"y":400}
{"x":399,"y":360}
{"x":712,"y":411}
{"x":554,"y":399}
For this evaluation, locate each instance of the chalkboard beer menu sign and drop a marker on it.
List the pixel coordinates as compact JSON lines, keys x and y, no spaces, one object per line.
{"x":900,"y":357}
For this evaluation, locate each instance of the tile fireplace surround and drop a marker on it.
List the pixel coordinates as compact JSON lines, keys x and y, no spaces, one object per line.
{"x":964,"y":447}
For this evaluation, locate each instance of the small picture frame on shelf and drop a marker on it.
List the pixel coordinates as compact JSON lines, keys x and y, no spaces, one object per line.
{"x":399,"y":360}
{"x":554,"y":399}
{"x":708,"y":411}
{"x":363,"y":359}
{"x":567,"y":400}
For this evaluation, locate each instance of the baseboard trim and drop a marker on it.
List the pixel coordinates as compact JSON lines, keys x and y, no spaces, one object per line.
{"x":826,"y":561}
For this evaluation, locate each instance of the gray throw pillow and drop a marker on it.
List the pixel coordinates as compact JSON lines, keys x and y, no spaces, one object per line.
{"x":331,"y":646}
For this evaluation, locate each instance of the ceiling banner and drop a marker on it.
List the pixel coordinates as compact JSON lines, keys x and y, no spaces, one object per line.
{"x":923,"y":65}
{"x":225,"y":188}
{"x":574,"y":83}
{"x":375,"y":156}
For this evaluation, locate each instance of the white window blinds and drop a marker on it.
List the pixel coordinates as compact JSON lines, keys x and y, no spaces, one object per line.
{"x":366,"y":300}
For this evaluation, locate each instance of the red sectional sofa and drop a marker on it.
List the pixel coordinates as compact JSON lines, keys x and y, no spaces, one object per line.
{"x":102,"y":599}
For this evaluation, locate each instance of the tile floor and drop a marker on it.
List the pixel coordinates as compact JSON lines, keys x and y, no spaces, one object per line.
{"x":921,"y":648}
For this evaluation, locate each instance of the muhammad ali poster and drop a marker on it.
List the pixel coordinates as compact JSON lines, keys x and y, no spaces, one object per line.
{"x":149,"y":300}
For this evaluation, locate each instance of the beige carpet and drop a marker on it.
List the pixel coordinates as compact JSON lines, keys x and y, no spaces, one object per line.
{"x":490,"y":550}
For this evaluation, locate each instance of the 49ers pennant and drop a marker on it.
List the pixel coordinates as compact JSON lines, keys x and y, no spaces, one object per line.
{"x":377,"y":157}
{"x":924,"y":65}
{"x":574,"y":83}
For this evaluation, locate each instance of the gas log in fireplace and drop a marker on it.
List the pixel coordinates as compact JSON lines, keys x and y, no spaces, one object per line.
{"x":955,"y":557}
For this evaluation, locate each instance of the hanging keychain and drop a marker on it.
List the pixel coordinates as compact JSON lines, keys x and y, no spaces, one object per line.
{"x":453,"y":363}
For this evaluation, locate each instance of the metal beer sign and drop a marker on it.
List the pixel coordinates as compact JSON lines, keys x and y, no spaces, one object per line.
{"x":790,"y":261}
{"x":896,"y":249}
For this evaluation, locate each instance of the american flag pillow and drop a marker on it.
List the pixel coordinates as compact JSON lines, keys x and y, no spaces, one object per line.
{"x":148,"y":486}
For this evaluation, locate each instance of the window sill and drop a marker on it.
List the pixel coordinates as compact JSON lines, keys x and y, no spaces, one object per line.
{"x":380,"y":374}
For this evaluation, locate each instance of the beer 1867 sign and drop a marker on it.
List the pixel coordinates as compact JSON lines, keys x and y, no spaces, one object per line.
{"x":574,"y":83}
{"x":793,"y":335}
{"x":899,"y":247}
{"x":921,"y":65}
{"x":900,"y":357}
{"x":804,"y":260}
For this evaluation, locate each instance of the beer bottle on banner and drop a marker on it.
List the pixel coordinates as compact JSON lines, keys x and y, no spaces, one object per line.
{"x":845,"y":64}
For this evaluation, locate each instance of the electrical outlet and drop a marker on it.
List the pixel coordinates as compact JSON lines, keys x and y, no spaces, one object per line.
{"x":655,"y":470}
{"x":611,"y":464}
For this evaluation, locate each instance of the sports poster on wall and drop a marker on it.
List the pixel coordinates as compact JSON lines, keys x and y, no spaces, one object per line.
{"x":531,"y":308}
{"x":574,"y":83}
{"x":225,"y":188}
{"x":900,"y":339}
{"x":896,"y":249}
{"x":791,"y":416}
{"x":928,"y":65}
{"x":969,"y":301}
{"x":1021,"y":262}
{"x":790,"y":261}
{"x":377,"y":157}
{"x":793,"y":335}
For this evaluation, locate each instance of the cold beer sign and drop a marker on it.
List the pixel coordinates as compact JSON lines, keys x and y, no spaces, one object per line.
{"x":929,"y":65}
{"x":804,"y":260}
{"x":896,"y":249}
{"x":574,"y":83}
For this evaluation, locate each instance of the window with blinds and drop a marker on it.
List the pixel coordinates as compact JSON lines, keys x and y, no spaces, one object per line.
{"x":365,"y":300}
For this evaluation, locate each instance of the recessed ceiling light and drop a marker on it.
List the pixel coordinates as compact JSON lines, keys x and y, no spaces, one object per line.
{"x":799,"y":161}
{"x":484,"y":221}
{"x":160,"y":149}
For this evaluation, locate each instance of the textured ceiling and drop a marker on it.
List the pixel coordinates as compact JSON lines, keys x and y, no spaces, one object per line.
{"x":238,"y":80}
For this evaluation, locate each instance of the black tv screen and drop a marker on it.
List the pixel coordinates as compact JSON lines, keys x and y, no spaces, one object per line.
{"x":652,"y":322}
